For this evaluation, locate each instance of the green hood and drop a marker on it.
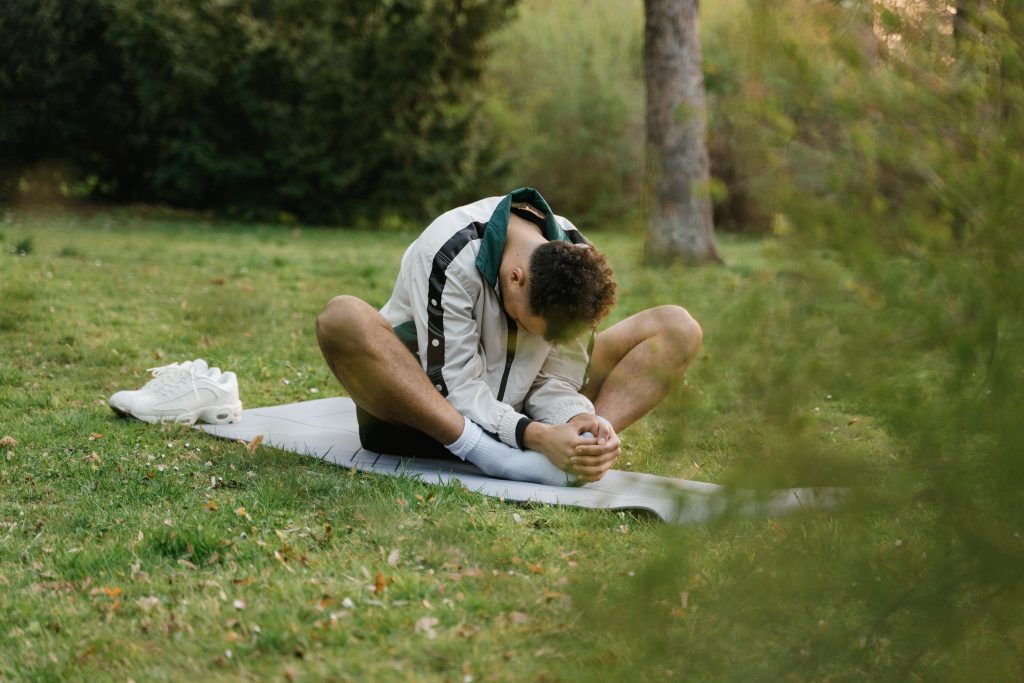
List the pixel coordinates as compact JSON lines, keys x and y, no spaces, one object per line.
{"x":489,"y":258}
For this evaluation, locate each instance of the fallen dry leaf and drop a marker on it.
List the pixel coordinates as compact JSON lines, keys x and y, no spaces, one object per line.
{"x":147,"y":603}
{"x":241,"y":512}
{"x":244,"y":581}
{"x":8,"y":441}
{"x":466,"y":631}
{"x":283,"y":560}
{"x":379,"y":584}
{"x":210,"y":505}
{"x":535,"y":568}
{"x":54,"y":586}
{"x":94,"y":436}
{"x":518,"y":618}
{"x":254,"y":444}
{"x":425,"y":625}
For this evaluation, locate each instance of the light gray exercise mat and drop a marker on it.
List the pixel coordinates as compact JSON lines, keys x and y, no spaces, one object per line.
{"x":326,"y":429}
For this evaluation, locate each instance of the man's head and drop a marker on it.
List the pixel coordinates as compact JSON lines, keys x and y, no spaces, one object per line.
{"x":566,"y":289}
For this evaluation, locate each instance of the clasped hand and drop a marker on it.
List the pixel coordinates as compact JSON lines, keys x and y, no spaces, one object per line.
{"x":588,"y":457}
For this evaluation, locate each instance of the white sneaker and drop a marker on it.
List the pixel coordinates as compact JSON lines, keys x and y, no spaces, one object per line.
{"x":122,"y":401}
{"x":184,"y":392}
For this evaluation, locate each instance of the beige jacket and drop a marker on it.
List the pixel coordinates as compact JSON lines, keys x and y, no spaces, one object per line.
{"x":497,"y":375}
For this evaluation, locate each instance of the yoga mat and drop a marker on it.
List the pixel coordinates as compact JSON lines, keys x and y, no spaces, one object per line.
{"x":326,"y":429}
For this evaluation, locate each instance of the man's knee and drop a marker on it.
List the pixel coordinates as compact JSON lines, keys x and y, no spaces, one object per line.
{"x":343,"y":323}
{"x":681,"y":330}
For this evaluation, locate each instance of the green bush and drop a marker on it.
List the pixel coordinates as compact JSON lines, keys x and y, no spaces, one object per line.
{"x":565,"y":101}
{"x":310,"y":107}
{"x":66,"y":104}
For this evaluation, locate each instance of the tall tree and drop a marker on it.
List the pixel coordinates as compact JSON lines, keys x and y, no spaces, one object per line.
{"x":679,"y":224}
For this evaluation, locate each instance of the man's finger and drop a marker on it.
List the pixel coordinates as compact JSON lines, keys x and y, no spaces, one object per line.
{"x":595,"y":450}
{"x":590,"y":472}
{"x":594,"y":460}
{"x":604,"y":455}
{"x":601,"y":454}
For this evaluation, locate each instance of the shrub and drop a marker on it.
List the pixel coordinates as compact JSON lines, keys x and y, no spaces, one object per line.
{"x":65,"y":101}
{"x":565,"y":101}
{"x":311,"y":107}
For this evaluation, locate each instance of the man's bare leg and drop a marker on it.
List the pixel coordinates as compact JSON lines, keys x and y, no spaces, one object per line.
{"x":635,"y":362}
{"x":378,"y":371}
{"x":386,"y":381}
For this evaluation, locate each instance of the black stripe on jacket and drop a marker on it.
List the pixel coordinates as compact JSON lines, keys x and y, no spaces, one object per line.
{"x":435,"y":311}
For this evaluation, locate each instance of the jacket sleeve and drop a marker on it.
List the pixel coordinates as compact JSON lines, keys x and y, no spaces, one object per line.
{"x":450,"y":355}
{"x":555,"y":396}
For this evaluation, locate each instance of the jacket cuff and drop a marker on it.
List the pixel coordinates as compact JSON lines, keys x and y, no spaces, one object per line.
{"x":570,"y":409}
{"x":521,"y":431}
{"x":508,"y":428}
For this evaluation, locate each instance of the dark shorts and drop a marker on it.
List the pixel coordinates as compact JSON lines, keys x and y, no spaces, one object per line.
{"x":395,"y":439}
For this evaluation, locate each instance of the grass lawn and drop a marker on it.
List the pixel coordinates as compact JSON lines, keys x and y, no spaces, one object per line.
{"x":129,"y":551}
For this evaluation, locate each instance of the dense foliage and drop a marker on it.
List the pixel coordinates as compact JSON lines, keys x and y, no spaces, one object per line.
{"x":65,"y":103}
{"x":564,"y":97}
{"x":885,"y":151}
{"x":310,"y":107}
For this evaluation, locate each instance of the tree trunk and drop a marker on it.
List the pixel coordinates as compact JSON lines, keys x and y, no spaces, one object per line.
{"x":678,"y":203}
{"x":966,"y":10}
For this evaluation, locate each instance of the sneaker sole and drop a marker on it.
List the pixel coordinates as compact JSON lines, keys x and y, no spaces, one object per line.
{"x":217,"y":415}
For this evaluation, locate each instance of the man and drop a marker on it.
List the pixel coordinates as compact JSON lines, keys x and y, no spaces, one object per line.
{"x":487,"y":348}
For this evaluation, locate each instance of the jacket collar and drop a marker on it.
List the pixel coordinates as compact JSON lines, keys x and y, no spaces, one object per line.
{"x":488,"y":259}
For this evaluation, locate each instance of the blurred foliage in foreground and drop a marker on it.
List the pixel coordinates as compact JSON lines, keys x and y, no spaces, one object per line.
{"x":897,"y":194}
{"x":313,"y":108}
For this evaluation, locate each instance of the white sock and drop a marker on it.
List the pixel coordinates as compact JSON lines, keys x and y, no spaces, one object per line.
{"x":471,"y":434}
{"x":499,"y":460}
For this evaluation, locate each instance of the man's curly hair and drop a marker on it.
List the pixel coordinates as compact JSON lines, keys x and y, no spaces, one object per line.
{"x":571,"y":288}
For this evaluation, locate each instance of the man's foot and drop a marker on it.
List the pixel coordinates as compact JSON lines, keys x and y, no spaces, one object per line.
{"x":504,"y":462}
{"x":186,"y":393}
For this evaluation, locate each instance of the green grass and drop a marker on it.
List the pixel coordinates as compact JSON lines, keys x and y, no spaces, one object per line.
{"x":125,"y":551}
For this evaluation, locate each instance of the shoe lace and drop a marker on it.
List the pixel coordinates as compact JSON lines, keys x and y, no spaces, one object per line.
{"x":166,"y":378}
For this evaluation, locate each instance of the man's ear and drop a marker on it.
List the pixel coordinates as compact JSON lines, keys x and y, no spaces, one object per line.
{"x":518,"y":277}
